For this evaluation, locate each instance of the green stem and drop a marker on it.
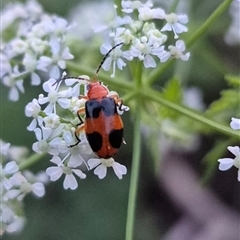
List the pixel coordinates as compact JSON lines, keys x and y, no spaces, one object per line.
{"x":30,"y":161}
{"x":155,"y":96}
{"x":207,"y":24}
{"x":153,"y":76}
{"x":134,"y":176}
{"x":136,"y":157}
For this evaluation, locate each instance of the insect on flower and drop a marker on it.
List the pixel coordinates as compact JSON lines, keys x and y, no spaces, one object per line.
{"x":103,"y":124}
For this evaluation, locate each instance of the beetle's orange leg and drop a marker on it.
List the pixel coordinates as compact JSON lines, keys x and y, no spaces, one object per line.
{"x":80,"y":111}
{"x":119,"y":102}
{"x":80,"y":126}
{"x":78,"y":130}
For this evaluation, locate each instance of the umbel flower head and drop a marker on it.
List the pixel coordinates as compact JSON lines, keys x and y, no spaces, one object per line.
{"x":55,"y":120}
{"x":141,"y":38}
{"x":15,"y":185}
{"x":36,"y":50}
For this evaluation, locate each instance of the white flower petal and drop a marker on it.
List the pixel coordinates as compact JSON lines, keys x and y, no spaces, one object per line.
{"x":79,"y":173}
{"x":57,"y":160}
{"x":166,"y":27}
{"x":11,"y":167}
{"x":35,"y":79}
{"x":32,"y":125}
{"x":55,"y":45}
{"x":6,"y":183}
{"x":238,"y":178}
{"x":235,"y":123}
{"x":46,"y":132}
{"x":93,"y":162}
{"x":119,"y":169}
{"x":38,"y":134}
{"x":43,"y":100}
{"x":54,"y":173}
{"x":64,"y":103}
{"x":11,"y":194}
{"x":225,"y":163}
{"x":66,"y":54}
{"x":75,"y":161}
{"x":101,"y":171}
{"x":107,"y":64}
{"x":48,"y":86}
{"x":38,"y":189}
{"x":70,"y":182}
{"x":149,"y":62}
{"x":55,"y":72}
{"x":234,"y":150}
{"x":13,"y":94}
{"x":49,"y":109}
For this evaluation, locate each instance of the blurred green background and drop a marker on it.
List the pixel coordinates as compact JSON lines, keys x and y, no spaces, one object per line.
{"x":97,"y":209}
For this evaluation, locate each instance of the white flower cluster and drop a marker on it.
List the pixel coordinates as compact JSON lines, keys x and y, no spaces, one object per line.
{"x":141,"y":36}
{"x":33,"y":44}
{"x":54,"y":123}
{"x":227,"y":163}
{"x":14,"y":185}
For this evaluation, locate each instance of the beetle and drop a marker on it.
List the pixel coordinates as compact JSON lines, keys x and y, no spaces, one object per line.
{"x":103,"y":124}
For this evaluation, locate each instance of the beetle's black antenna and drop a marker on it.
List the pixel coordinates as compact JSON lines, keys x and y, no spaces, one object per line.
{"x":105,"y":57}
{"x":64,"y":77}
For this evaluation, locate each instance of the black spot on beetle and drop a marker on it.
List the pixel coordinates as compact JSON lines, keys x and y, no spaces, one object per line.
{"x":95,"y":141}
{"x":115,"y":138}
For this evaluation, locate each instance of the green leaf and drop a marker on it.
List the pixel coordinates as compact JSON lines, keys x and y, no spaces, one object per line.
{"x":172,"y":92}
{"x":233,"y":80}
{"x":228,"y":104}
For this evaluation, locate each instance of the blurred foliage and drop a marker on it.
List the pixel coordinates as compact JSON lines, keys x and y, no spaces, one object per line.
{"x":97,"y":210}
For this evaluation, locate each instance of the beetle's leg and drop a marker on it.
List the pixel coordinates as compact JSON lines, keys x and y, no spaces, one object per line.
{"x":80,"y":112}
{"x":79,"y":129}
{"x":119,"y":103}
{"x":80,"y":126}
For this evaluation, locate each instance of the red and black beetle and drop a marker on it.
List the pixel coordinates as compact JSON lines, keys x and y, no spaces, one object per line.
{"x":103,"y":124}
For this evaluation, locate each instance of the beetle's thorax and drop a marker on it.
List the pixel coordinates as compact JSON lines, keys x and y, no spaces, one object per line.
{"x":97,"y":90}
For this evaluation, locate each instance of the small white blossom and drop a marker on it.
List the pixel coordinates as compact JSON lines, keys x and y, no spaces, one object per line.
{"x":130,"y":6}
{"x":74,"y":153}
{"x":111,"y":27}
{"x":16,"y":86}
{"x":47,"y":139}
{"x":9,"y":168}
{"x":18,"y":46}
{"x":235,"y":123}
{"x":10,"y":221}
{"x":176,"y":52}
{"x":146,"y":13}
{"x":52,"y":121}
{"x":22,"y":187}
{"x":33,"y":109}
{"x":59,"y":55}
{"x":58,"y":26}
{"x":175,"y":23}
{"x":54,"y":97}
{"x":115,"y":57}
{"x":102,"y":165}
{"x":36,"y":41}
{"x":31,"y":65}
{"x":56,"y":172}
{"x":145,"y":47}
{"x":226,"y":163}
